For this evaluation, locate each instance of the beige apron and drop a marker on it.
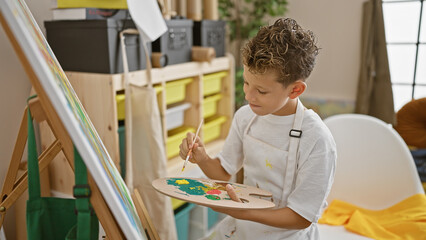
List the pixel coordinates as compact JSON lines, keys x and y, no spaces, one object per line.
{"x":264,"y":166}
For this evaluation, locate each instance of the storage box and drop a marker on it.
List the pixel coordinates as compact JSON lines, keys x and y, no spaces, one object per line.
{"x":175,"y":90}
{"x":210,"y":105}
{"x":212,"y":128}
{"x":176,"y":43}
{"x":182,"y":220}
{"x":176,"y":203}
{"x":212,"y":83}
{"x":121,"y":106}
{"x":210,"y":33}
{"x":121,"y":103}
{"x":111,"y":4}
{"x":89,"y":13}
{"x":175,"y":115}
{"x":175,"y":138}
{"x":94,"y":46}
{"x":212,"y":218}
{"x":122,"y":148}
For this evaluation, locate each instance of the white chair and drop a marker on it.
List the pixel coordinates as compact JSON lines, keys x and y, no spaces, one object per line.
{"x":375,"y":169}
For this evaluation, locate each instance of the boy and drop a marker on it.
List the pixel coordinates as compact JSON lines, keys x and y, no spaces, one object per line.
{"x":283,"y":147}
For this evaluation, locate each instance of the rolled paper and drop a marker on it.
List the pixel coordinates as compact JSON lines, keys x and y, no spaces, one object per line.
{"x":181,"y":8}
{"x":158,"y":60}
{"x":203,"y":54}
{"x":194,"y":10}
{"x":210,"y":9}
{"x":167,"y":9}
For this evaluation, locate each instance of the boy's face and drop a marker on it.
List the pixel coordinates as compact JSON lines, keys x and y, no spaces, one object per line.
{"x":265,"y":95}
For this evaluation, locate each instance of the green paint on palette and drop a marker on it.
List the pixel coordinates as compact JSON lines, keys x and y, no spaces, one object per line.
{"x":193,"y":187}
{"x":213,"y":197}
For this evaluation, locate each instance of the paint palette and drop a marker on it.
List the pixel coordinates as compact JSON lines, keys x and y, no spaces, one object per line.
{"x":212,"y":193}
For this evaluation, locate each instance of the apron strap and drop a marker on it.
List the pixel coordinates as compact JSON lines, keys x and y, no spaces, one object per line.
{"x":292,"y":160}
{"x":33,"y":169}
{"x":249,"y":124}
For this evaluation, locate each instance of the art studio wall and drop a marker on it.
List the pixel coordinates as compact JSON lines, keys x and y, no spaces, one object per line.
{"x":337,"y":25}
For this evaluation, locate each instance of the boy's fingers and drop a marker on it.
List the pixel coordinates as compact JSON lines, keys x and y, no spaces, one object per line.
{"x":198,"y":141}
{"x":232,"y":194}
{"x":189,"y":137}
{"x":194,"y":150}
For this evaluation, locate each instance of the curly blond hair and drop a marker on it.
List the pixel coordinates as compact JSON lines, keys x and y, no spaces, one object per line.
{"x":283,"y":47}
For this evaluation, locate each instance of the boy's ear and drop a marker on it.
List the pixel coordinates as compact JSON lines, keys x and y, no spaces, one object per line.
{"x":297,"y":88}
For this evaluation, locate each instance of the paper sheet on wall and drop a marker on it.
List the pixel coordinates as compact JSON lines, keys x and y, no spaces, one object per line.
{"x":148,"y":18}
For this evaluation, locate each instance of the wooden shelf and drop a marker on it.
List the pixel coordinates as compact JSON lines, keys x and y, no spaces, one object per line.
{"x":159,"y":75}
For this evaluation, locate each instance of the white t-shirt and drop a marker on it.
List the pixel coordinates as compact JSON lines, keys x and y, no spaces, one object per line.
{"x":316,"y":161}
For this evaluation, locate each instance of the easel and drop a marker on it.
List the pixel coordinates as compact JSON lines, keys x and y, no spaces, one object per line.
{"x":42,"y":110}
{"x":13,"y":189}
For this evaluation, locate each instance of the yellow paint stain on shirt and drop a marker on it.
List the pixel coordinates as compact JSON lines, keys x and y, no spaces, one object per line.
{"x":182,"y":182}
{"x":268,"y":164}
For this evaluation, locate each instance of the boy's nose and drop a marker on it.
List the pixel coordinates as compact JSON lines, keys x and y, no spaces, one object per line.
{"x":249,"y":96}
{"x":246,"y":95}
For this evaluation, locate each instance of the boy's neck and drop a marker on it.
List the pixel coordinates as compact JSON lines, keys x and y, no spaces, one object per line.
{"x":289,"y":108}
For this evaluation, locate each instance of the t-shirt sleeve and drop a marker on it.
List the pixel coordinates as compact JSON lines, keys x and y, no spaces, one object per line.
{"x":232,"y":157}
{"x":314,"y":179}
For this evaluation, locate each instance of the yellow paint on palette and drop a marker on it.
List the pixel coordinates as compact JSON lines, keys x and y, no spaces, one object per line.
{"x":268,"y":164}
{"x":182,"y":182}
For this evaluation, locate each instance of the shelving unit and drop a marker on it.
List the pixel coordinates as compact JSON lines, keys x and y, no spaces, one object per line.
{"x":97,"y":93}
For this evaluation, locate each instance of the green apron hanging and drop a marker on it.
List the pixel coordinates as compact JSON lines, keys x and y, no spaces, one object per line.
{"x":50,"y":218}
{"x":87,"y":223}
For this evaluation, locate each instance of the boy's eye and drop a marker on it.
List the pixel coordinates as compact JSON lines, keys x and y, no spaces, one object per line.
{"x":260,"y":92}
{"x":246,"y":83}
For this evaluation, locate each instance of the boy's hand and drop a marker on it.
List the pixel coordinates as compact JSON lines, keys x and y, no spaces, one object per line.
{"x":236,"y":213}
{"x":198,"y":151}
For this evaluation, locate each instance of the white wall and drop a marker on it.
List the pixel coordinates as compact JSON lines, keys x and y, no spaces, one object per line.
{"x":336,"y":23}
{"x":14,"y":90}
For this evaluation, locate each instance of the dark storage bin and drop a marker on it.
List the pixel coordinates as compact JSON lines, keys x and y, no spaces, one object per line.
{"x":210,"y":33}
{"x":94,"y":46}
{"x":176,"y":43}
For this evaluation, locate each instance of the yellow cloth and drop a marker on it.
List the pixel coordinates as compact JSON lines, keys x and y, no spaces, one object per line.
{"x":405,"y":220}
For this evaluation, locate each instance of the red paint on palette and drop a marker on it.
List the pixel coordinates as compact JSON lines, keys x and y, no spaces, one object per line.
{"x":214,"y":191}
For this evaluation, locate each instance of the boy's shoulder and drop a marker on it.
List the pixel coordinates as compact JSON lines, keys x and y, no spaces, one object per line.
{"x":313,"y":120}
{"x":314,"y":126}
{"x":243,"y":116}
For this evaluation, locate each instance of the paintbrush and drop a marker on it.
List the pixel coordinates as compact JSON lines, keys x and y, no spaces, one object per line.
{"x":193,"y":143}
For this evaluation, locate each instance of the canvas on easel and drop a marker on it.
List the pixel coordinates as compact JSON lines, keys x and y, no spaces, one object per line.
{"x":60,"y":102}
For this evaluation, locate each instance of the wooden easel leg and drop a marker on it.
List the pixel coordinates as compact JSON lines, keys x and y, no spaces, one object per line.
{"x":12,"y":171}
{"x":144,"y":216}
